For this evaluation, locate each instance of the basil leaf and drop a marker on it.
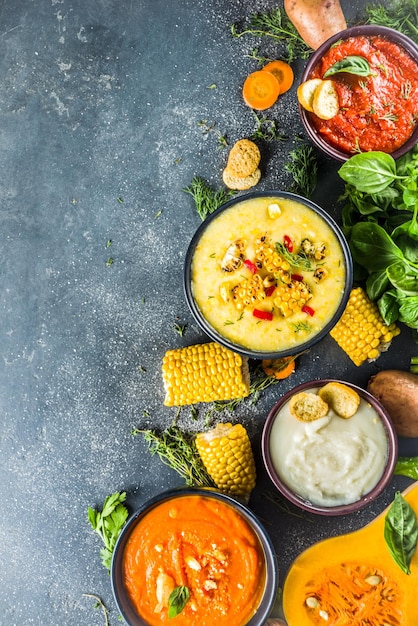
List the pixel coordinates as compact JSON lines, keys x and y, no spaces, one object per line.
{"x":371,"y":172}
{"x":389,"y":307}
{"x":351,"y":65}
{"x":177,"y":600}
{"x":376,"y":284}
{"x":408,"y":310}
{"x":401,"y":532}
{"x":372,"y":247}
{"x":407,"y":466}
{"x":404,"y":278}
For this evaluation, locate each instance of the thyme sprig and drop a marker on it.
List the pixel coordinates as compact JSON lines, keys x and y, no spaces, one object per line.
{"x":177,"y":449}
{"x":266,"y":129}
{"x":206,"y":199}
{"x":275,"y":24}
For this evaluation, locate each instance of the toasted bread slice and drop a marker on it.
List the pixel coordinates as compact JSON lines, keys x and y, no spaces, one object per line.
{"x":236,"y":182}
{"x":244,"y":158}
{"x":325,"y":102}
{"x":306,"y":92}
{"x":343,"y":400}
{"x":307,"y":406}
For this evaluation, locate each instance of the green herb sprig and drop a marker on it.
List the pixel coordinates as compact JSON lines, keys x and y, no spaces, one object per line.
{"x":177,"y":449}
{"x":407,"y":466}
{"x":206,"y":199}
{"x":108,"y":523}
{"x":276,"y":25}
{"x":303,"y":166}
{"x":401,"y":532}
{"x":402,"y":15}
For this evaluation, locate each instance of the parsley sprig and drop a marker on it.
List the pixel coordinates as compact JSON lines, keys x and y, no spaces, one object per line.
{"x":108,"y":523}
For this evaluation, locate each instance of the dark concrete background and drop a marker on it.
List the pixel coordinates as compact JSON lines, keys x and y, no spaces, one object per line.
{"x":101,"y":111}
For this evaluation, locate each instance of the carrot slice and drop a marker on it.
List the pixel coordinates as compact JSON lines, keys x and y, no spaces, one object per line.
{"x":279,"y":368}
{"x":282,"y":72}
{"x":260,"y":90}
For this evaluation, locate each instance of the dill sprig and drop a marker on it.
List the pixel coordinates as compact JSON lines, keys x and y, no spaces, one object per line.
{"x":206,"y":199}
{"x":297,"y":259}
{"x":402,"y":15}
{"x":275,"y":24}
{"x":177,"y":449}
{"x":303,"y":167}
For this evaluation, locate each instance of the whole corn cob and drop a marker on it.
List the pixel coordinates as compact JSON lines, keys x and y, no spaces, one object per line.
{"x":204,"y":373}
{"x":228,"y":457}
{"x":361,"y":331}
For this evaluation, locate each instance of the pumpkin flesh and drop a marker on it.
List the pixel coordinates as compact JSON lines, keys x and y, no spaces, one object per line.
{"x":352,"y":580}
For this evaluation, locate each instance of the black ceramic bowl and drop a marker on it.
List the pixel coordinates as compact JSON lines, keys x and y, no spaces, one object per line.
{"x":367,"y":30}
{"x":215,"y":334}
{"x":120,"y":593}
{"x":300,"y":501}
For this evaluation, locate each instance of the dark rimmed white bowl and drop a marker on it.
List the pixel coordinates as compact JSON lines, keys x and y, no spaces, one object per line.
{"x":121,"y":596}
{"x":368,"y":30}
{"x":235,"y":347}
{"x":341,"y":509}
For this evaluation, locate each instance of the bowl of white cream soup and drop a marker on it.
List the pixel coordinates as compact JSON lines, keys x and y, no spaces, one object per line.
{"x":268,"y":274}
{"x":329,"y":464}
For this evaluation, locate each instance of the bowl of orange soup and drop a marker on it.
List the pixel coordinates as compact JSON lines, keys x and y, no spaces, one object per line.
{"x":374,"y":70}
{"x":195,"y":555}
{"x":268,"y":274}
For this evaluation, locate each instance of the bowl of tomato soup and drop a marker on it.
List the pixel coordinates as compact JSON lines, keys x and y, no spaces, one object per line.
{"x":196,"y":555}
{"x":331,"y":459}
{"x":268,"y":274}
{"x":377,"y":89}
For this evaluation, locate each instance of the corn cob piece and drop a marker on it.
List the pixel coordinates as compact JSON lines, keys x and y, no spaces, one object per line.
{"x":204,"y":373}
{"x":228,"y":457}
{"x":361,"y":331}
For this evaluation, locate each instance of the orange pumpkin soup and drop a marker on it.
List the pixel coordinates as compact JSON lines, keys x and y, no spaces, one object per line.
{"x":201,"y":544}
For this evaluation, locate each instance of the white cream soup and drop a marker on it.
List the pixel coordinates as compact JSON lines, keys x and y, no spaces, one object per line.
{"x":331,"y":460}
{"x":268,"y":274}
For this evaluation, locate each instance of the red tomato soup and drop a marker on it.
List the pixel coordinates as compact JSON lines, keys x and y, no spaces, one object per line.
{"x":379,"y":111}
{"x":200,"y":543}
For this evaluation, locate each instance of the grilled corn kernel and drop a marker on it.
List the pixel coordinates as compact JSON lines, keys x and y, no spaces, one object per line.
{"x":204,"y":373}
{"x":291,"y":297}
{"x":228,"y":457}
{"x":362,"y":314}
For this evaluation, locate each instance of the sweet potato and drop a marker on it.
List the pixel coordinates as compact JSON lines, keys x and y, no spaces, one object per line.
{"x":315,"y":20}
{"x":397,"y":391}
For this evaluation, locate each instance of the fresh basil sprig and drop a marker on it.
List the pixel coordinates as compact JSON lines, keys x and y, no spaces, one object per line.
{"x":177,"y":600}
{"x":401,"y":532}
{"x":351,"y":64}
{"x":370,"y":172}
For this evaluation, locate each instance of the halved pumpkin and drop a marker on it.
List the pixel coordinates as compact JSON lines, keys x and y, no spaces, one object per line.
{"x":352,"y":579}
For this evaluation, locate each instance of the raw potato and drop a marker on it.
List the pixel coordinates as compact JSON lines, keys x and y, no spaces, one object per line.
{"x":315,"y":20}
{"x":398,"y":392}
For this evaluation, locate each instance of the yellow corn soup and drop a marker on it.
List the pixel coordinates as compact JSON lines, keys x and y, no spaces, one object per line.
{"x":268,"y":274}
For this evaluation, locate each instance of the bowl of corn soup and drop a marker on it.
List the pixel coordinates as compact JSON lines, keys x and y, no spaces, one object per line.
{"x":329,"y":447}
{"x":197,"y":555}
{"x":268,"y":274}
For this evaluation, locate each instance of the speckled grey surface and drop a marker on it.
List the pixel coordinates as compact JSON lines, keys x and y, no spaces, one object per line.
{"x":105,"y":108}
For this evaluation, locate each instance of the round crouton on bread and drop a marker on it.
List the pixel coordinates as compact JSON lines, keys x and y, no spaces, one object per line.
{"x":307,"y":406}
{"x":306,"y":92}
{"x":239,"y":183}
{"x":343,"y":400}
{"x":244,"y":158}
{"x":325,"y":102}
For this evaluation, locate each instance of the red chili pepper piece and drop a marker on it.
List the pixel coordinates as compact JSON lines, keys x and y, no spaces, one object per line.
{"x":263,"y":315}
{"x":297,"y":277}
{"x":269,"y":290}
{"x":288,"y":243}
{"x":251,"y":266}
{"x":308,"y":310}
